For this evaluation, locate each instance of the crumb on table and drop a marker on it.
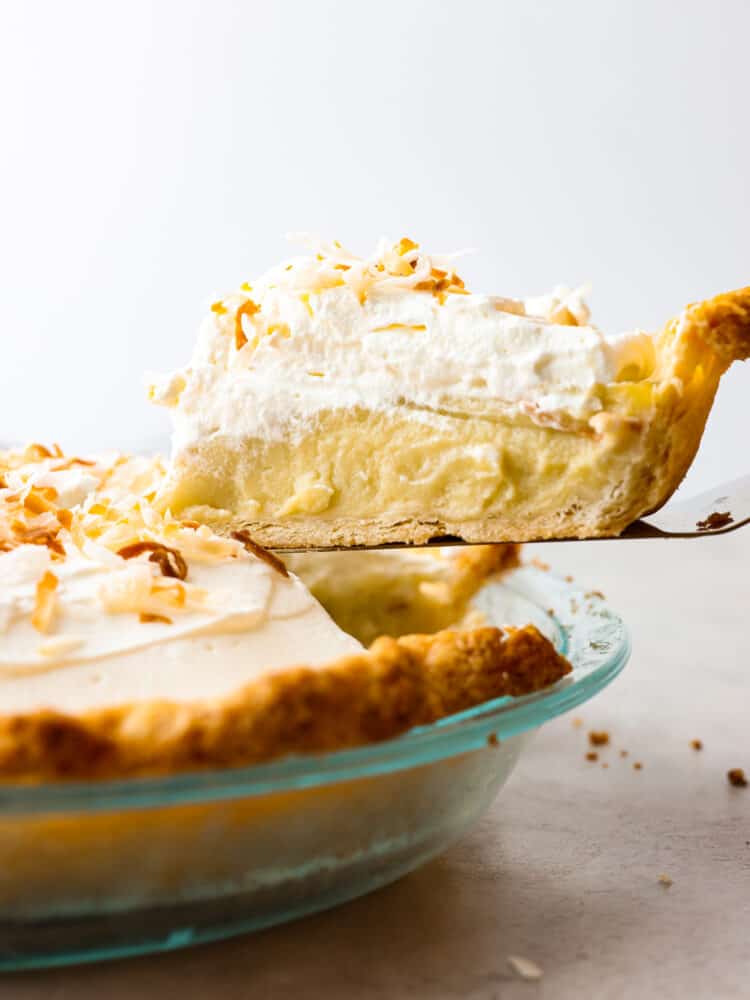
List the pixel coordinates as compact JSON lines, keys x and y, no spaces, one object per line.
{"x":592,"y":755}
{"x":598,"y":738}
{"x":696,"y":744}
{"x":717,"y":519}
{"x":524,"y":967}
{"x":736,"y":777}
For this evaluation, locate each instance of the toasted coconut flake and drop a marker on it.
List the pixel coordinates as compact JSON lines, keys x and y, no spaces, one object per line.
{"x":201,"y":544}
{"x":248,"y":308}
{"x":171,"y":592}
{"x":409,"y":327}
{"x":69,"y":462}
{"x":404,"y":245}
{"x":147,"y":617}
{"x":391,"y":266}
{"x":35,"y":502}
{"x":46,"y":602}
{"x":257,"y":550}
{"x":36,"y":452}
{"x":169,"y":560}
{"x":65,"y":517}
{"x":563,"y":317}
{"x":56,"y":547}
{"x":136,"y":588}
{"x":565,"y":306}
{"x":60,"y":646}
{"x":509,"y":306}
{"x":127,"y":590}
{"x":177,"y":596}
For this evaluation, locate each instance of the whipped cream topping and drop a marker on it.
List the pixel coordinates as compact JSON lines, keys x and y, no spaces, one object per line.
{"x":107,"y":600}
{"x":399,"y":328}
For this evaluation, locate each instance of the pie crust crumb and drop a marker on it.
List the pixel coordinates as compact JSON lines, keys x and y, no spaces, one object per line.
{"x":524,"y":967}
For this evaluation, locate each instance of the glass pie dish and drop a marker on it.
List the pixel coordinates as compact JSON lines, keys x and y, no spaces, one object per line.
{"x":107,"y":869}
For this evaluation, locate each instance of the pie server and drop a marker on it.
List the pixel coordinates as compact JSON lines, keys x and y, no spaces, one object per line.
{"x":716,"y":512}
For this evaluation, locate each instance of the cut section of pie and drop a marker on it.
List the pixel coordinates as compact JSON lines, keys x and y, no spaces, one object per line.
{"x":135,"y":642}
{"x":340,"y":401}
{"x":402,"y":591}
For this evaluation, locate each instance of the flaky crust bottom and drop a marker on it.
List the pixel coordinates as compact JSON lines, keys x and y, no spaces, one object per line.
{"x":349,"y":533}
{"x":359,"y":699}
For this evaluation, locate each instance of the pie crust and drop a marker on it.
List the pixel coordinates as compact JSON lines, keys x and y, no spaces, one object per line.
{"x":372,"y":696}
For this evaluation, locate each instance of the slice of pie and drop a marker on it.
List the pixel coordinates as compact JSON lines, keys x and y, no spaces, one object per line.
{"x":135,"y":642}
{"x":342,"y":401}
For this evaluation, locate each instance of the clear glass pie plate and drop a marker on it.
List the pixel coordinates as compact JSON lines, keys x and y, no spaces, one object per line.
{"x":99,"y":870}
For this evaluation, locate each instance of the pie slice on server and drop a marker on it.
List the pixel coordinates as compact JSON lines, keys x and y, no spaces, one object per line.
{"x":342,"y":401}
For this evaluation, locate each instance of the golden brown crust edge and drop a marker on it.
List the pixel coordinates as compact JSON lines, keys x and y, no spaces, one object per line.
{"x":359,"y":699}
{"x":723,"y":324}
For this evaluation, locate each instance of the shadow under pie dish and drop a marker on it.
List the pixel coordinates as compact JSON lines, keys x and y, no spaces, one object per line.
{"x":134,"y":642}
{"x":339,"y":401}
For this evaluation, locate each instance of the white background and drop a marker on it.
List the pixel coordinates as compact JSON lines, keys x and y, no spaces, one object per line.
{"x":154,"y":154}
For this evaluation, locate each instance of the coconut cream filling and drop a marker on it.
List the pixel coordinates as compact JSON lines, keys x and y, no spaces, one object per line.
{"x":117,"y":603}
{"x":257,"y":622}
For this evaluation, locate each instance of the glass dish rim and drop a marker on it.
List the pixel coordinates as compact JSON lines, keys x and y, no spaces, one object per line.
{"x":498,"y":719}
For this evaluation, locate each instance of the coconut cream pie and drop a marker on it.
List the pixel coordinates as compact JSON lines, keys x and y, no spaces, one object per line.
{"x":133,"y":641}
{"x":339,"y":400}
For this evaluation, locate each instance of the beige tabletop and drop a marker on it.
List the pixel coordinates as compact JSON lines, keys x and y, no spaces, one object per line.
{"x":565,"y":869}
